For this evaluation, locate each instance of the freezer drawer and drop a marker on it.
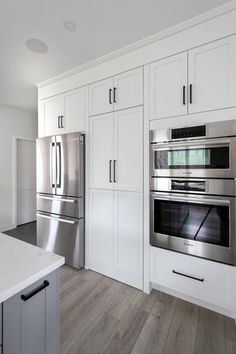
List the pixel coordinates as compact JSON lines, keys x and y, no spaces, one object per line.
{"x":62,"y":235}
{"x":72,"y":207}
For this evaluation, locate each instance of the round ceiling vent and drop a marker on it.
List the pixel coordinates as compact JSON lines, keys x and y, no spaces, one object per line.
{"x":70,"y":25}
{"x":36,"y":45}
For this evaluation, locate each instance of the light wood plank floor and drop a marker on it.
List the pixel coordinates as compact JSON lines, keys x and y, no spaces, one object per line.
{"x":101,"y":315}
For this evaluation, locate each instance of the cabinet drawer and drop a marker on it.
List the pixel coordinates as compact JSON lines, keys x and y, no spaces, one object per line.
{"x":199,"y":278}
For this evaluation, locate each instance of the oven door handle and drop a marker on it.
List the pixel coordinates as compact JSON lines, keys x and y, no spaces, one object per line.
{"x":192,"y":200}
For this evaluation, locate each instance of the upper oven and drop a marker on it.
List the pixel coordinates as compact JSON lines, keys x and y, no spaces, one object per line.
{"x":197,"y":154}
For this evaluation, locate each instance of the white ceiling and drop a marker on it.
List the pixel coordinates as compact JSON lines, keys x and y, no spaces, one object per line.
{"x":102,"y":26}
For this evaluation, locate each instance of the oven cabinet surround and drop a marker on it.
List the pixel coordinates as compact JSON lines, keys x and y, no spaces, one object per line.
{"x":119,"y":92}
{"x":199,"y":80}
{"x":32,"y":326}
{"x":214,"y":286}
{"x":116,"y":195}
{"x":63,"y":113}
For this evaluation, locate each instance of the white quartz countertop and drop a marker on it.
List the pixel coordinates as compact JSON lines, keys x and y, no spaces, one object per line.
{"x":21,"y":264}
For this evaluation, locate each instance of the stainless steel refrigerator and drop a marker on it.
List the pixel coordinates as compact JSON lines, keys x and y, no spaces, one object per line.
{"x":60,"y":196}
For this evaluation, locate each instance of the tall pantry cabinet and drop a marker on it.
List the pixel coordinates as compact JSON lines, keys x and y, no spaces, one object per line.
{"x":116,"y":177}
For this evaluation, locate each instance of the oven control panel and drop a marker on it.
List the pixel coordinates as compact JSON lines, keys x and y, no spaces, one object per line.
{"x":185,"y":185}
{"x":189,"y":132}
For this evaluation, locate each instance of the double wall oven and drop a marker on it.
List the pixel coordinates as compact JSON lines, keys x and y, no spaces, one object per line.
{"x":192,"y":186}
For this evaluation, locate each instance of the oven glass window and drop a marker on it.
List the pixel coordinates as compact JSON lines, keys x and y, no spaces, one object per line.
{"x":200,"y":222}
{"x":195,"y":158}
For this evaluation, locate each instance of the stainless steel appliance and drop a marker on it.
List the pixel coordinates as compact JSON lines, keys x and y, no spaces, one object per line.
{"x":193,"y":193}
{"x":207,"y":151}
{"x":60,"y":196}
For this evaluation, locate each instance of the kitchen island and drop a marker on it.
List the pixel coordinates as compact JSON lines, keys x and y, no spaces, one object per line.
{"x":29,"y":298}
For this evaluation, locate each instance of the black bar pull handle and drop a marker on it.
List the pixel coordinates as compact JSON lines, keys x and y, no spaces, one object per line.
{"x":190,"y":93}
{"x":114,"y":94}
{"x":35,"y":291}
{"x":184,"y":95}
{"x":188,"y":276}
{"x":58,"y":122}
{"x":62,"y":123}
{"x":110,"y":91}
{"x":114,"y":172}
{"x":110,"y":180}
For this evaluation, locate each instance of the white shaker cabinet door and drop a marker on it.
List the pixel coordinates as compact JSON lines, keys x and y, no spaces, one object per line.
{"x":212,"y":74}
{"x":128,"y":89}
{"x":74,"y":111}
{"x":101,"y":151}
{"x":52,"y":110}
{"x":101,"y":231}
{"x":168,"y":87}
{"x":128,"y":238}
{"x":101,"y":97}
{"x":128,"y":149}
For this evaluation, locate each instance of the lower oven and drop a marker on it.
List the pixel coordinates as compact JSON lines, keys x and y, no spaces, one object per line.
{"x":186,"y":218}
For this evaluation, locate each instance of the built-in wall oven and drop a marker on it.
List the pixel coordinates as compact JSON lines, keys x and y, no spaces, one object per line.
{"x":192,"y":190}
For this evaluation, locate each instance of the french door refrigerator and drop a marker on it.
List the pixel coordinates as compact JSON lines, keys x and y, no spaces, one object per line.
{"x":60,"y":196}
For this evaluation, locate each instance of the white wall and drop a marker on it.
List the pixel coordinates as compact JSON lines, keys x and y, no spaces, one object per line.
{"x":19,"y":123}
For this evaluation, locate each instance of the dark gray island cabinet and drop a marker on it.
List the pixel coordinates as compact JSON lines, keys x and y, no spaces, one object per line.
{"x":30,"y":319}
{"x":29,"y":298}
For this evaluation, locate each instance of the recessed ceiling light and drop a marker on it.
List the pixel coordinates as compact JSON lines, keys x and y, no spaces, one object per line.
{"x":70,"y":25}
{"x":36,"y":46}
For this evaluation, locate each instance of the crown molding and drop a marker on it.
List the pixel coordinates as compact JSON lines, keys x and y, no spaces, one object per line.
{"x":194,"y":21}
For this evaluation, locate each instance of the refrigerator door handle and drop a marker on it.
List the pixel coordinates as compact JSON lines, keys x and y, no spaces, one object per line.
{"x":73,"y":222}
{"x":52,"y":165}
{"x":58,"y":153}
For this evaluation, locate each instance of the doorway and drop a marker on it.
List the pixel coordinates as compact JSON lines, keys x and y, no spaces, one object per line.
{"x":25,"y":181}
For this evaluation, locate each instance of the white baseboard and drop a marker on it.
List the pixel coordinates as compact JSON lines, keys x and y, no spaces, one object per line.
{"x":221,"y":310}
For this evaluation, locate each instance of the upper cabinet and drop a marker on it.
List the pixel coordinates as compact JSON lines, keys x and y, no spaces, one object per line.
{"x":100,"y":97}
{"x":51,"y":115}
{"x":212,"y":76}
{"x":116,"y":150}
{"x":200,"y":80}
{"x":63,"y":113}
{"x":168,"y":87}
{"x":119,"y":92}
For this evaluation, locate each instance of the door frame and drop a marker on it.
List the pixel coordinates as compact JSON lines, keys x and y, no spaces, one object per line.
{"x":15,"y":140}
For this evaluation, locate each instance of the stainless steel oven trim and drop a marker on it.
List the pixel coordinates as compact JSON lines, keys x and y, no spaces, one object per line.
{"x":195,"y":248}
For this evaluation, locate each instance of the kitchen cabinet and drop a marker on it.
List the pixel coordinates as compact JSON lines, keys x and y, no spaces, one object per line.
{"x":199,"y":80}
{"x":101,"y":151}
{"x":128,"y":89}
{"x":74,"y":111}
{"x":197,"y":278}
{"x":116,"y":150}
{"x":168,"y":87}
{"x":101,"y":231}
{"x":52,"y":111}
{"x":31,"y":319}
{"x":212,"y":74}
{"x":100,"y":97}
{"x":128,"y":150}
{"x":62,"y":114}
{"x":119,"y":92}
{"x":116,"y":235}
{"x":128,"y":238}
{"x":116,"y":195}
